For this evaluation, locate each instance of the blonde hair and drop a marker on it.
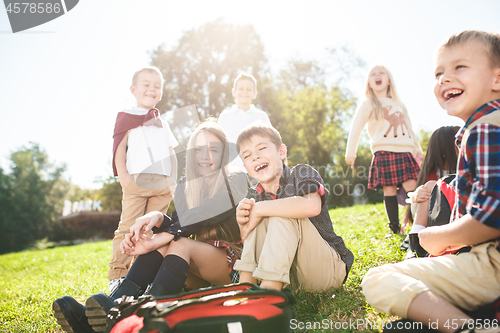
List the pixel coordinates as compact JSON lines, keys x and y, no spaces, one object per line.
{"x":490,"y":41}
{"x":245,"y":76}
{"x":377,"y":111}
{"x":149,"y":69}
{"x":196,"y":190}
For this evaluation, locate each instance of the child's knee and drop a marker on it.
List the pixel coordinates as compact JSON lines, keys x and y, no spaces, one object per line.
{"x":371,"y":283}
{"x":282,"y":224}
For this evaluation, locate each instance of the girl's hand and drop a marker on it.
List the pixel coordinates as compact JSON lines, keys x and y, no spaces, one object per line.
{"x":127,"y":244}
{"x":145,"y":223}
{"x":350,"y":161}
{"x":421,"y":194}
{"x":143,"y":246}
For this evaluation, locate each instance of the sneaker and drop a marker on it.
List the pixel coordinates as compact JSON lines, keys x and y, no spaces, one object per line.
{"x":113,"y":284}
{"x":405,"y":245}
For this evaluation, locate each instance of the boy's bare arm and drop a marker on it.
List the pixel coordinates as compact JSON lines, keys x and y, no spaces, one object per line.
{"x":120,"y":162}
{"x":306,"y":206}
{"x":465,"y":231}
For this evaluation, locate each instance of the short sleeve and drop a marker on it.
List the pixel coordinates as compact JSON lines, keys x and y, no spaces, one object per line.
{"x":482,"y":152}
{"x":307,"y":180}
{"x":170,"y":136}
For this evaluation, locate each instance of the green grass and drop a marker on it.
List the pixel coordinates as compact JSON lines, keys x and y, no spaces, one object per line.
{"x":31,"y":280}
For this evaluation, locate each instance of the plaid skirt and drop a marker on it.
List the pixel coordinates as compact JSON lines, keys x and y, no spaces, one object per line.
{"x":390,"y":169}
{"x":232,"y":256}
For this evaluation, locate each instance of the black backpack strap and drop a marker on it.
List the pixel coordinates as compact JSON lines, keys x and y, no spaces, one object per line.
{"x":227,"y":186}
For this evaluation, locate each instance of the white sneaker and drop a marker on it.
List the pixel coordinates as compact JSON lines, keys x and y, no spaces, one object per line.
{"x":113,"y":284}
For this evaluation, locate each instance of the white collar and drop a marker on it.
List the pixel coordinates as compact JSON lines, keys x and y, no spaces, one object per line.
{"x":236,"y":109}
{"x":136,"y":111}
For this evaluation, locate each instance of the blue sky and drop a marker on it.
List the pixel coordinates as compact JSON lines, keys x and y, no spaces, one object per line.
{"x":63,"y":82}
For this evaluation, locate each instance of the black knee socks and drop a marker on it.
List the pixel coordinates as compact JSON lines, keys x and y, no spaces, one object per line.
{"x":144,"y":269}
{"x":172,"y":274}
{"x":391,"y":207}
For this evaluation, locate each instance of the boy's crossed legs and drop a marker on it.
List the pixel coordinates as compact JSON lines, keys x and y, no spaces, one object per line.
{"x":281,"y":251}
{"x":428,"y":289}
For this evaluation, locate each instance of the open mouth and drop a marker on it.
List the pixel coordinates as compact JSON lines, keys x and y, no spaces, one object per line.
{"x":205,"y":165}
{"x":452,"y":93}
{"x":261,"y":167}
{"x":378,"y":82}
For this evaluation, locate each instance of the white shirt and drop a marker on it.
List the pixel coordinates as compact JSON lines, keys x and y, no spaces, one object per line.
{"x":148,"y":148}
{"x":233,"y":121}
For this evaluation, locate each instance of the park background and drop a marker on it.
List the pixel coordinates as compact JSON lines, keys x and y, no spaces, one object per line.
{"x":62,"y":84}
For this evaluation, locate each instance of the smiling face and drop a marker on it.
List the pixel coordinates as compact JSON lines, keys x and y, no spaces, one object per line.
{"x":465,"y":79}
{"x":244,"y":92}
{"x":147,"y":89}
{"x":263,"y":160}
{"x":208,"y":153}
{"x":379,"y":81}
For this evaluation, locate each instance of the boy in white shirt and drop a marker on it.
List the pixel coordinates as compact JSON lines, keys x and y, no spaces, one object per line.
{"x":241,"y":115}
{"x":143,"y":159}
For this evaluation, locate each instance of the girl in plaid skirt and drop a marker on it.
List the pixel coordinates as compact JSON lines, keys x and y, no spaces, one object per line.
{"x":393,"y":143}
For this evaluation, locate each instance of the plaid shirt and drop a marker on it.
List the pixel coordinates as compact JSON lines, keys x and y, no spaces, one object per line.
{"x":478,"y":172}
{"x":303,"y":179}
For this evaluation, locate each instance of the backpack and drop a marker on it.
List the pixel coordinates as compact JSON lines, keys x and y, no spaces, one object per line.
{"x":441,"y":202}
{"x":234,"y":308}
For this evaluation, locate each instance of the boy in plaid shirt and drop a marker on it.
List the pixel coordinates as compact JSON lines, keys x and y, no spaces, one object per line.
{"x":434,"y":290}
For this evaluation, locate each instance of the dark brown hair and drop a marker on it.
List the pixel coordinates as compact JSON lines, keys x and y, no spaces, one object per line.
{"x":263,"y":130}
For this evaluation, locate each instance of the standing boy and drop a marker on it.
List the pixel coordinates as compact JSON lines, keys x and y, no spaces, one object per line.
{"x":284,"y":221}
{"x":243,"y":114}
{"x":433,"y":290}
{"x":144,"y":161}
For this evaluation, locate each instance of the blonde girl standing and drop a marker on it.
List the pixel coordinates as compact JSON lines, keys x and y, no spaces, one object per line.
{"x":393,"y":143}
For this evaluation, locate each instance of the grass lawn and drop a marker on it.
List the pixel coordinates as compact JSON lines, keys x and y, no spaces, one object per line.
{"x":31,"y":280}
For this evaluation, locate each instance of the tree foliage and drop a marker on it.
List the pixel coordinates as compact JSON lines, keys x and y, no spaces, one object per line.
{"x":200,"y":69}
{"x":31,"y":198}
{"x":111,"y":194}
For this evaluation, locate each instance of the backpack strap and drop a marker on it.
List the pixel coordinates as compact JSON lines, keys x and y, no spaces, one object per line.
{"x":491,"y":118}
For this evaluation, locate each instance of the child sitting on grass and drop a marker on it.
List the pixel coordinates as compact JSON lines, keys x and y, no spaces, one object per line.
{"x":436,"y":290}
{"x":284,"y":221}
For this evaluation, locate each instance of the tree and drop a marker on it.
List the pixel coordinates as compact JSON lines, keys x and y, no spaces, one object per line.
{"x":31,"y":198}
{"x":111,"y":194}
{"x":423,"y":137}
{"x":201,"y":68}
